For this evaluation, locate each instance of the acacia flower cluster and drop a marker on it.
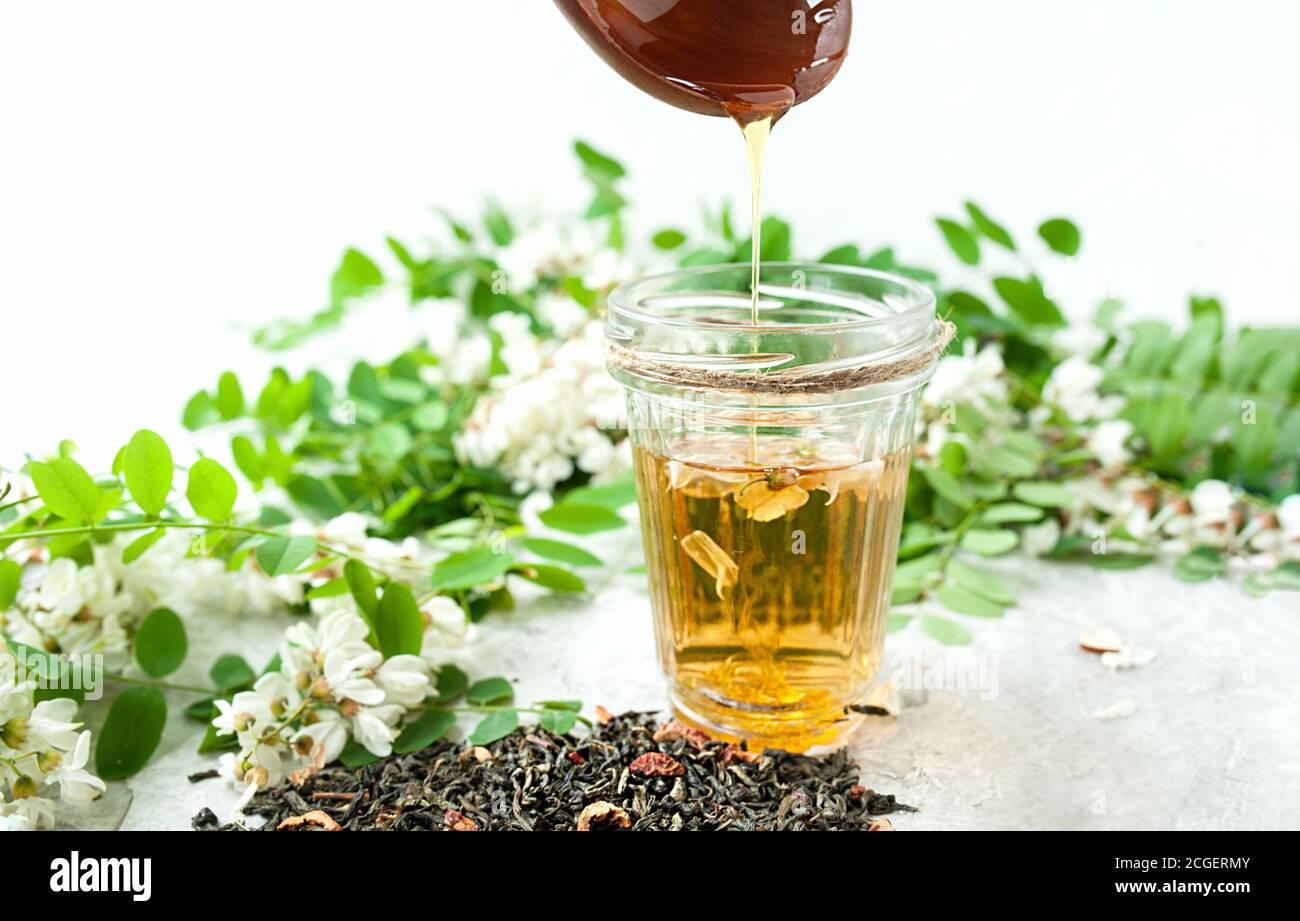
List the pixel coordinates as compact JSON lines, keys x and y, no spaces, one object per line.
{"x":332,"y":685}
{"x":43,"y":750}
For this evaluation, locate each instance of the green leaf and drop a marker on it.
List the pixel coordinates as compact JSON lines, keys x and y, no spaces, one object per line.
{"x":230,"y":672}
{"x":230,"y":396}
{"x":248,"y":460}
{"x":398,"y":623}
{"x":946,"y":631}
{"x":574,"y":705}
{"x":424,"y":731}
{"x":388,"y":443}
{"x":147,"y":465}
{"x":948,"y":486}
{"x":668,"y":239}
{"x":1010,"y":513}
{"x":1004,"y":461}
{"x":11,"y":575}
{"x":1200,"y":565}
{"x":66,"y":489}
{"x":558,"y":721}
{"x":451,"y":683}
{"x":1061,"y":235}
{"x":357,"y":274}
{"x":361,"y":582}
{"x":613,"y":495}
{"x":469,"y":569}
{"x":494,"y":727}
{"x":136,"y":549}
{"x":987,"y":542}
{"x":280,"y":556}
{"x":160,"y":643}
{"x":959,"y":599}
{"x":1028,"y":301}
{"x":1044,"y":493}
{"x":556,"y":578}
{"x":331,"y":589}
{"x":960,"y":241}
{"x":579,"y":518}
{"x":560,"y":551}
{"x":1287,"y":576}
{"x":430,"y":417}
{"x":199,"y":412}
{"x":897,"y":622}
{"x":489,"y":691}
{"x":905,"y":593}
{"x":990,"y":228}
{"x":597,"y":163}
{"x":211,"y":490}
{"x":131,"y":733}
{"x":979,"y":581}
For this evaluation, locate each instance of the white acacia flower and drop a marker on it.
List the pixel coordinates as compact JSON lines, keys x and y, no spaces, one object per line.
{"x":373,"y":727}
{"x":1072,"y":388}
{"x":28,"y":814}
{"x":348,"y":529}
{"x":967,"y":376}
{"x":446,"y":627}
{"x":1037,"y":539}
{"x":278,"y":690}
{"x":76,"y":785}
{"x":1109,"y":442}
{"x":404,"y":680}
{"x":561,"y":312}
{"x":346,"y":675}
{"x":246,"y":715}
{"x":1211,"y":502}
{"x":59,"y":592}
{"x":329,"y":731}
{"x":51,"y":725}
{"x":1288,"y":516}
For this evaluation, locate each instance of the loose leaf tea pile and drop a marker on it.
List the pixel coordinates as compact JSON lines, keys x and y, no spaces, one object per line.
{"x":631,"y":772}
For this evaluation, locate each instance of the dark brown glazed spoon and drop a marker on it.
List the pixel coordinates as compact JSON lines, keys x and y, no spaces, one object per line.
{"x":743,"y":58}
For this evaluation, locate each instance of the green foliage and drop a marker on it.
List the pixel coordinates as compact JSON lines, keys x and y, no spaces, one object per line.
{"x":279,"y":556}
{"x":470,"y":568}
{"x":160,"y":643}
{"x":66,"y":489}
{"x":211,"y":490}
{"x":397,"y":623}
{"x":130,"y":733}
{"x":147,"y":466}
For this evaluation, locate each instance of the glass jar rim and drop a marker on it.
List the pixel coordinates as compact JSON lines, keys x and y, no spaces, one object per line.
{"x":625,"y":299}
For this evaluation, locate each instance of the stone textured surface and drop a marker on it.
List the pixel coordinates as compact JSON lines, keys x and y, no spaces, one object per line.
{"x":1213,"y":742}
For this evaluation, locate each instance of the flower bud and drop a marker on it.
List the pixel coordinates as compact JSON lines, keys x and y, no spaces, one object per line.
{"x":14,"y":732}
{"x":48,"y":761}
{"x":320,"y":688}
{"x":24,"y":787}
{"x":258,"y":776}
{"x":243,"y":721}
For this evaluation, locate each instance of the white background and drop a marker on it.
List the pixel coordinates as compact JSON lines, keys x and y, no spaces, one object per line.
{"x":173,"y":173}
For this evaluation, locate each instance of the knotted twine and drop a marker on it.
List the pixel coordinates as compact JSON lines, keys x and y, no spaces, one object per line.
{"x":793,"y":380}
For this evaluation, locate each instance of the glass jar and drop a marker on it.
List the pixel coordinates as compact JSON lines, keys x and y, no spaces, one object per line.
{"x":771,"y":464}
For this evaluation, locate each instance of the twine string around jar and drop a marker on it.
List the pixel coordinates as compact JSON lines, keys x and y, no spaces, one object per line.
{"x":797,"y":380}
